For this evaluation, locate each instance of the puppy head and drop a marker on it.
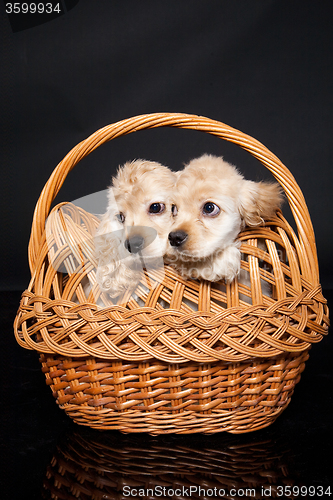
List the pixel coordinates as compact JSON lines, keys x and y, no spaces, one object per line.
{"x":213,"y":203}
{"x":139,"y":209}
{"x":133,"y":233}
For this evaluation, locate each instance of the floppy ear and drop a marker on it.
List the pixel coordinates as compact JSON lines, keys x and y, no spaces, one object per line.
{"x":115,"y":277}
{"x":114,"y":274}
{"x":106,"y":252}
{"x":259,"y":201}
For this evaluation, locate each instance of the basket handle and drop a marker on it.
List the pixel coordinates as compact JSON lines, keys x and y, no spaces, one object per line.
{"x":193,"y":122}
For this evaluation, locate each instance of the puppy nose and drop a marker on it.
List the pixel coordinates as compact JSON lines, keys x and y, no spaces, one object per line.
{"x":177,"y":238}
{"x":134,"y":244}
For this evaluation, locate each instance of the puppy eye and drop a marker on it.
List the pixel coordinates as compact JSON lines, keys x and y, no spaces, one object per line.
{"x":174,"y":210}
{"x":210,"y":209}
{"x":156,"y":208}
{"x":120,"y":217}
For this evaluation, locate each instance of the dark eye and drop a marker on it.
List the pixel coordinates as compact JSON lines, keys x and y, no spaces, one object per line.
{"x":156,"y":208}
{"x":174,"y":210}
{"x":210,"y":209}
{"x":120,"y":217}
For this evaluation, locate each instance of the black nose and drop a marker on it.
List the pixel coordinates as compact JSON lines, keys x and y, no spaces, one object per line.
{"x":177,"y":238}
{"x":134,"y":244}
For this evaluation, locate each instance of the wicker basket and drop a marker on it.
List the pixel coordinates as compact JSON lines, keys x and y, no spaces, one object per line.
{"x":166,"y":368}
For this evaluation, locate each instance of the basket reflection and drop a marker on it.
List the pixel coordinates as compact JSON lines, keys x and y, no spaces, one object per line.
{"x":93,"y":465}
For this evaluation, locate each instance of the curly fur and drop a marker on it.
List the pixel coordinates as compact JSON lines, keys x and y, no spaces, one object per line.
{"x":211,"y":250}
{"x":137,"y":186}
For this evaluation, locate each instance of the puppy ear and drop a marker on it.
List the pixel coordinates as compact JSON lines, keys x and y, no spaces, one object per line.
{"x":259,"y":201}
{"x":114,"y":275}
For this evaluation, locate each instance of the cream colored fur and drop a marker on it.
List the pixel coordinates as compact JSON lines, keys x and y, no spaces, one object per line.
{"x":211,"y":250}
{"x":138,"y":185}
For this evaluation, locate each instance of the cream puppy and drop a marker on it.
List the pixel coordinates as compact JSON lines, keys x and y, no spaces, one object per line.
{"x":214,"y":202}
{"x":133,"y":233}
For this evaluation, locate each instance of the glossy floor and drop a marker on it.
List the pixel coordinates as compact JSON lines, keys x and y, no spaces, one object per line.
{"x":45,"y":455}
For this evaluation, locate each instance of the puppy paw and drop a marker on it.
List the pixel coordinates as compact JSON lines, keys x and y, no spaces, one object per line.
{"x":227,"y":265}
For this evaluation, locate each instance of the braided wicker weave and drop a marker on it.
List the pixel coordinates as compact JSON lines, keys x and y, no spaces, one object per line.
{"x":165,"y":367}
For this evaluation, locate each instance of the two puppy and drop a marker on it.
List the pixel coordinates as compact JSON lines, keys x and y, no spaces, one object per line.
{"x":190,"y":218}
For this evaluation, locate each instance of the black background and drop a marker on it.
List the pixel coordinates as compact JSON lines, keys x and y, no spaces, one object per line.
{"x":261,"y":66}
{"x":264,"y":67}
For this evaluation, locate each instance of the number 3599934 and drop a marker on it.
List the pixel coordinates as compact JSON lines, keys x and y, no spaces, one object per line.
{"x":33,"y":8}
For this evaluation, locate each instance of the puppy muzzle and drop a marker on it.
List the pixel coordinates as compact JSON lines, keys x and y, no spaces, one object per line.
{"x":177,"y":238}
{"x":134,"y":244}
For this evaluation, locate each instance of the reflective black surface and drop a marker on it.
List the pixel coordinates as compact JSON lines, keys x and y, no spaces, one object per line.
{"x":44,"y":454}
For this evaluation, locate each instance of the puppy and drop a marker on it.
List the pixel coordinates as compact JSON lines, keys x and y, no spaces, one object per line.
{"x":133,"y":233}
{"x":214,"y":203}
